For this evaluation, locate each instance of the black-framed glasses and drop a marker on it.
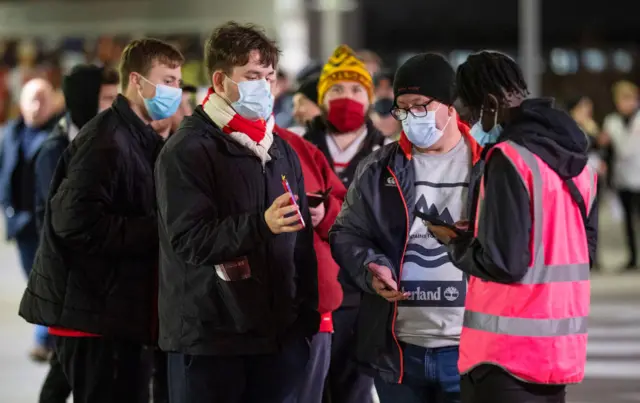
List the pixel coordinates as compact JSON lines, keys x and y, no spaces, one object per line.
{"x":418,"y":111}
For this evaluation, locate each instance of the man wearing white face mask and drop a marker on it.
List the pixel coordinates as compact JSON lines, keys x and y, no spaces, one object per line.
{"x":381,"y":239}
{"x":238,"y":287}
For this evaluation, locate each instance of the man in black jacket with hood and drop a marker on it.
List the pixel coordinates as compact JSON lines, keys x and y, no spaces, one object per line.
{"x":94,"y":281}
{"x":87,"y":91}
{"x":491,"y":86}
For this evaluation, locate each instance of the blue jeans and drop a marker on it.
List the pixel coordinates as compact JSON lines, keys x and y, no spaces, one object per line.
{"x":430,"y":376}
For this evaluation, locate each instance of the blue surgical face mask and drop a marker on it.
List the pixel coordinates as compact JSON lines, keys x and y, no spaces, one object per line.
{"x":165,"y":103}
{"x":256,"y":99}
{"x":422,"y":132}
{"x":483,"y":138}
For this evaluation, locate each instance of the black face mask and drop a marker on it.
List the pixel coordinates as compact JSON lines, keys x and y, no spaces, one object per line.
{"x":383,"y":106}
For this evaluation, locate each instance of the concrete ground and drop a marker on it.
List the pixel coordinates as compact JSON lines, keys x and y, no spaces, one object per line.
{"x":613,"y":367}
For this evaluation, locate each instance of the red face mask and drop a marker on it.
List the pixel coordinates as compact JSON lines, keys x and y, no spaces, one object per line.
{"x":345,"y":114}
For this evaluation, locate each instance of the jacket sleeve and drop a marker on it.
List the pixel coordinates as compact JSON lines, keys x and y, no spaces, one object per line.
{"x":44,"y":169}
{"x":500,"y":252}
{"x":336,"y":197}
{"x":304,"y":253}
{"x":82,"y":213}
{"x":186,"y":195}
{"x":351,"y":240}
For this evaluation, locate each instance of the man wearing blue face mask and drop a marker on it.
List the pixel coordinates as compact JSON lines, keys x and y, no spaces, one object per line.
{"x":238,"y":288}
{"x":413,"y":301}
{"x":94,"y":280}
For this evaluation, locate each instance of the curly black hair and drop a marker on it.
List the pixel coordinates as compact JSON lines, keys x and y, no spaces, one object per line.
{"x":488,"y":72}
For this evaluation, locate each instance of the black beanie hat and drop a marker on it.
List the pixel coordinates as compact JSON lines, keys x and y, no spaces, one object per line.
{"x":427,"y":74}
{"x":309,"y":88}
{"x":81,"y":89}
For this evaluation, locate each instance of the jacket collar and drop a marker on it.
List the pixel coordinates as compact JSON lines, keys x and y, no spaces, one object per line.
{"x":143,"y":132}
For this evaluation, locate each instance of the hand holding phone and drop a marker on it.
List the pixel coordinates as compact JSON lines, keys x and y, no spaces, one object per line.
{"x":435,"y":221}
{"x":384,"y":283}
{"x":278,"y":216}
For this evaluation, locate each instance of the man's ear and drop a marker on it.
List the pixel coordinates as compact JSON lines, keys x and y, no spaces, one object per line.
{"x":217,"y":81}
{"x":491,"y":103}
{"x":134,"y":80}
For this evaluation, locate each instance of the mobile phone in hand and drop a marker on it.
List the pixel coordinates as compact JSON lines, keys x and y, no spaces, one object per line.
{"x":315,"y":199}
{"x":287,"y":188}
{"x":438,"y":222}
{"x":384,"y":276}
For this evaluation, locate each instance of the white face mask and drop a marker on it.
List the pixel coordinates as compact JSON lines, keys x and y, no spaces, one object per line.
{"x":422,"y":132}
{"x":256,"y":99}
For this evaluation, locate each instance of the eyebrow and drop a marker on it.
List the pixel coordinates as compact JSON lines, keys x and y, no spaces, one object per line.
{"x":253,"y":72}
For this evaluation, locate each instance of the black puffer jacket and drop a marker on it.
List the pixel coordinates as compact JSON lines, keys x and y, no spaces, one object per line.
{"x":96,"y":269}
{"x":373,"y":227}
{"x":212,"y":195}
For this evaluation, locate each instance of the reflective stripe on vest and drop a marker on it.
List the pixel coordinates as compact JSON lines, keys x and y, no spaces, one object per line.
{"x":525,"y":327}
{"x":528,"y":322}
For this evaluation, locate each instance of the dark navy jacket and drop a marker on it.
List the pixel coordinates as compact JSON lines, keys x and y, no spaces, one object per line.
{"x":373,"y":228}
{"x":9,"y":156}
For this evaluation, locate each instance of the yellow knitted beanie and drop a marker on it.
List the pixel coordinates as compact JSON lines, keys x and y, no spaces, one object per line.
{"x":343,"y":65}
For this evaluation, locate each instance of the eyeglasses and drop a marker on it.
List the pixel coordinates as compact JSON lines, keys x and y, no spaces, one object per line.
{"x":418,"y":111}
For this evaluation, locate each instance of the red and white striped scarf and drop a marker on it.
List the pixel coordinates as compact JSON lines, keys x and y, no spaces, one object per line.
{"x":255,"y":135}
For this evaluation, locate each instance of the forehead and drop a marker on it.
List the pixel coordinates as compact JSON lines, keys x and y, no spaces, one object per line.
{"x":255,"y":64}
{"x":34,"y":90}
{"x":348,"y":85}
{"x":406,"y":100}
{"x":161,"y":69}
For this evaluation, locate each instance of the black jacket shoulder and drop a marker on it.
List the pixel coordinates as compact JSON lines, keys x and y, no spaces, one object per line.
{"x":46,"y":161}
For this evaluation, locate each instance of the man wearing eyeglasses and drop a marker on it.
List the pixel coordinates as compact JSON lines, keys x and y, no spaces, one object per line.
{"x":413,"y":300}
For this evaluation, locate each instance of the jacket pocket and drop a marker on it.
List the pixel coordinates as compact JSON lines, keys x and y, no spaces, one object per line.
{"x":245,"y":300}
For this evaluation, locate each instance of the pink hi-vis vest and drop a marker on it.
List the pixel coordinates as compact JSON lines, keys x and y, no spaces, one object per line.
{"x":536,"y":329}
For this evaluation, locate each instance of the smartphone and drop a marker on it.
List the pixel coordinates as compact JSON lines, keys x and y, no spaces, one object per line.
{"x":438,"y":222}
{"x":388,"y":281}
{"x":287,"y":188}
{"x":317,"y":198}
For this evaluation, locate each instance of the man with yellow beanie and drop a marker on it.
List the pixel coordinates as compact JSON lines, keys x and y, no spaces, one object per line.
{"x":346,"y":136}
{"x":343,"y":132}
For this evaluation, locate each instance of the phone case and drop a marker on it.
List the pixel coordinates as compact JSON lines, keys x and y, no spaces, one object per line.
{"x":287,"y":188}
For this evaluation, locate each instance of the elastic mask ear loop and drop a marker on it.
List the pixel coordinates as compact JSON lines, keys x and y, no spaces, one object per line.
{"x":448,"y":120}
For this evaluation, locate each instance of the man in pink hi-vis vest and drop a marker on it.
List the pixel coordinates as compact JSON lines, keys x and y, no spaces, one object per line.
{"x":529,"y":250}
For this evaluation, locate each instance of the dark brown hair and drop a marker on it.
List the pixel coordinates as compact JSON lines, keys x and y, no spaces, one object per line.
{"x":110,"y":76}
{"x":140,"y":55}
{"x":230,"y":45}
